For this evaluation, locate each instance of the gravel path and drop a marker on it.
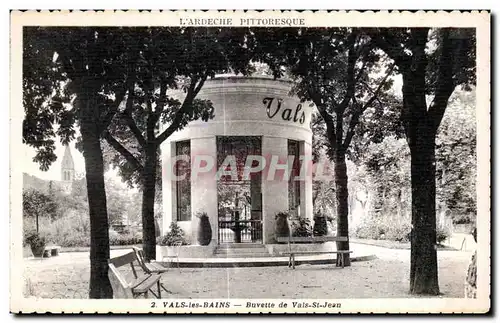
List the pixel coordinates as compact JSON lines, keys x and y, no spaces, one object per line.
{"x":67,"y":276}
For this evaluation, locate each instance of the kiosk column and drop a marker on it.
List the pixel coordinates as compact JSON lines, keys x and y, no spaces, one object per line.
{"x":274,"y":188}
{"x":204,"y":185}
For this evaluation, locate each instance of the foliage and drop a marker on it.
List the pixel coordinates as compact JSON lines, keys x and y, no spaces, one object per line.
{"x":113,"y":235}
{"x":57,"y":63}
{"x":393,"y":228}
{"x":118,"y":200}
{"x":71,"y":230}
{"x":38,"y":204}
{"x":301,"y":227}
{"x":324,"y":190}
{"x":386,"y":168}
{"x":456,"y":158}
{"x":133,"y":207}
{"x":443,"y":232}
{"x":233,"y":198}
{"x":384,"y":228}
{"x":57,"y":204}
{"x":125,"y":239}
{"x":175,"y":234}
{"x":77,"y":200}
{"x":383,"y":168}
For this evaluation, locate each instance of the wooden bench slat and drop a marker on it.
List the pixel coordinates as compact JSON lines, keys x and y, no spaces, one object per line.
{"x":156,"y":268}
{"x":137,"y":280}
{"x":123,"y":260}
{"x":146,"y":284}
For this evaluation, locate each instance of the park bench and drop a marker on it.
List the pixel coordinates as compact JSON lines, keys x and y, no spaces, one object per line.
{"x":50,"y":251}
{"x":292,"y":253}
{"x":136,"y":286}
{"x":150,"y":267}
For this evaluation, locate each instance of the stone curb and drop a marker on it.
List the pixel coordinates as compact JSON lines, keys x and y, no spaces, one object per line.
{"x":259,"y":263}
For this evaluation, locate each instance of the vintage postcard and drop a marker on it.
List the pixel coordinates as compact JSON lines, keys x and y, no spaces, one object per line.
{"x":250,"y":162}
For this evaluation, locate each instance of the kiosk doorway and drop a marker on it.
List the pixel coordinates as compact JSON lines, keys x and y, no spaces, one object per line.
{"x":239,"y":199}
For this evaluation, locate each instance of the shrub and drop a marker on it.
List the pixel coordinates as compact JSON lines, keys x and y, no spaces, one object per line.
{"x":174,"y":234}
{"x":137,"y":235}
{"x":125,"y":239}
{"x":394,"y":228}
{"x":368,"y":229}
{"x":442,"y":233}
{"x":113,"y":235}
{"x":386,"y":228}
{"x":301,"y":227}
{"x":73,"y":230}
{"x":398,"y":230}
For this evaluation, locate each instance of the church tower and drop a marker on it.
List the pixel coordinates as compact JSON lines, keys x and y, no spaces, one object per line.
{"x":67,"y":169}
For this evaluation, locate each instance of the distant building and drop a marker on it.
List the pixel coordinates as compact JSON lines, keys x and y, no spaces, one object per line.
{"x":67,"y":177}
{"x":67,"y":170}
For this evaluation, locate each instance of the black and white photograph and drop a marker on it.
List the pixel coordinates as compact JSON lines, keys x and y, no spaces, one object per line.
{"x":250,"y":162}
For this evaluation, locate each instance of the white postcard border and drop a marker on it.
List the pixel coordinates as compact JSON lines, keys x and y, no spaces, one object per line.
{"x":476,"y":19}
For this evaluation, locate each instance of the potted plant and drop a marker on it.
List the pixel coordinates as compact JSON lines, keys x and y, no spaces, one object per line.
{"x":282,"y":228}
{"x":204,"y":229}
{"x":301,"y":227}
{"x":320,"y":227}
{"x":174,"y":236}
{"x":37,"y":243}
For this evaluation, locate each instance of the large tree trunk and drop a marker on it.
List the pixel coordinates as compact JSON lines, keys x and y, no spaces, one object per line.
{"x":100,"y":286}
{"x":421,"y":137}
{"x":148,"y":203}
{"x":423,"y":270}
{"x":342,"y":196}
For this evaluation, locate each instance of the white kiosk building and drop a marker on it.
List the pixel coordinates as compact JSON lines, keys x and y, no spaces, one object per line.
{"x":253,"y":117}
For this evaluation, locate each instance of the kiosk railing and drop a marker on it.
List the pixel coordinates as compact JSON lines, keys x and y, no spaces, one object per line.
{"x":241,"y":231}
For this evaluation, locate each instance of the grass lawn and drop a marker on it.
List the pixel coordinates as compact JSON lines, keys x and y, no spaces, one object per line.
{"x":67,"y":276}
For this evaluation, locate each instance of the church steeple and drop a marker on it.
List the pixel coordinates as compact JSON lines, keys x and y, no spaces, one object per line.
{"x":67,"y":166}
